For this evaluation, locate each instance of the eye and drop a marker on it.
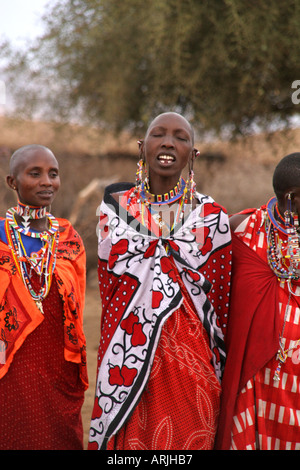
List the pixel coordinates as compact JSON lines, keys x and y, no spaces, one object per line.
{"x":182,"y":136}
{"x":156,"y":134}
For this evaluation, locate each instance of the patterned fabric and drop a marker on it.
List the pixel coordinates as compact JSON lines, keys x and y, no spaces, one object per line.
{"x":140,"y":292}
{"x":42,"y":394}
{"x":43,"y":357}
{"x":267,"y":412}
{"x":182,"y":370}
{"x":19,"y":315}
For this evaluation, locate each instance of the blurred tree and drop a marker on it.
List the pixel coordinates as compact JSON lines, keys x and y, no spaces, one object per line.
{"x":221,"y":62}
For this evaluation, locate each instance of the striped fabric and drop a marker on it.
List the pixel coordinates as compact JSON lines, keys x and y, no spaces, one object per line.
{"x":267,"y":412}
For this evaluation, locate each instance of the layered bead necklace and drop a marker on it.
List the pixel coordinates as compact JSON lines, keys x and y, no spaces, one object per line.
{"x":155,"y":202}
{"x":284,"y":260}
{"x":283,"y":252}
{"x":43,"y":261}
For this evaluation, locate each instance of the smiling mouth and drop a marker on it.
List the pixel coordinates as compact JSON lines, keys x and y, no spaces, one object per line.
{"x":166,"y":159}
{"x":45,"y":193}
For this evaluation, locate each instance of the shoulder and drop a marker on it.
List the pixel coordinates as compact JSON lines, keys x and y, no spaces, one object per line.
{"x":66,"y":231}
{"x":235,"y":220}
{"x":64,"y":225}
{"x":116,"y":188}
{"x":209,"y":204}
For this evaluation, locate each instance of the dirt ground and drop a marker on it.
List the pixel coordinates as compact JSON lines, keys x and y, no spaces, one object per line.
{"x":92,"y":332}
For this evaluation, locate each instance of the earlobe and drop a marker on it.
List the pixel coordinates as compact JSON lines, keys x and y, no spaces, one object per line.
{"x":141,"y":149}
{"x":196,"y":153}
{"x":10,"y":180}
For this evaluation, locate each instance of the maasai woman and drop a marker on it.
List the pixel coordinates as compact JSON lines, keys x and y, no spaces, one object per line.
{"x":42,"y":344}
{"x":164,"y":273}
{"x":261,"y":401}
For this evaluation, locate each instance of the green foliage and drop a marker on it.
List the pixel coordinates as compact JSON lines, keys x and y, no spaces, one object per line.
{"x":221,"y":62}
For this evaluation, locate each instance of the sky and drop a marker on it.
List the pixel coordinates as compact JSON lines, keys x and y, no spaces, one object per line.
{"x":20,"y":20}
{"x":20,"y":23}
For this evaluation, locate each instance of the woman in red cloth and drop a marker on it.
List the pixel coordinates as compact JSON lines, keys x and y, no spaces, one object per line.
{"x":42,"y":345}
{"x":261,"y":383}
{"x":164,"y":273}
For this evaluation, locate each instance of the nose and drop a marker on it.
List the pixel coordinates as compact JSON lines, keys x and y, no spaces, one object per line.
{"x":45,"y":180}
{"x":168,"y":141}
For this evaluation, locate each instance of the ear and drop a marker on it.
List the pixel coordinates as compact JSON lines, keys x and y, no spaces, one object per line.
{"x":288,"y":197}
{"x":196,"y":153}
{"x":141,"y":149}
{"x":11,"y":182}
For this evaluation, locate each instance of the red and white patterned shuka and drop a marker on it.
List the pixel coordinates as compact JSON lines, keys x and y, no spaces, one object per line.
{"x":267,"y":412}
{"x":153,"y":349}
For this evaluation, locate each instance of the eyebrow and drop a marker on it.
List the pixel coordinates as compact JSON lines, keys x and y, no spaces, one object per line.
{"x":35,"y":168}
{"x":54,"y":168}
{"x":179,"y":129}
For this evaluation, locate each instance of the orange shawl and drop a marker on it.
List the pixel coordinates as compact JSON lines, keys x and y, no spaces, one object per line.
{"x":19,"y":315}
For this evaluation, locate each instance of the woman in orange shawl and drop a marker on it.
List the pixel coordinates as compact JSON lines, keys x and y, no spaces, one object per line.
{"x":42,"y":345}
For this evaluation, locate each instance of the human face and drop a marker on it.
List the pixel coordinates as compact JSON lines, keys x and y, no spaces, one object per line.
{"x":168,"y":147}
{"x":37,"y":178}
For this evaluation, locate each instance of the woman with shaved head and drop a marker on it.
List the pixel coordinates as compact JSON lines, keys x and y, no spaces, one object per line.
{"x":42,"y":344}
{"x":164,"y":272}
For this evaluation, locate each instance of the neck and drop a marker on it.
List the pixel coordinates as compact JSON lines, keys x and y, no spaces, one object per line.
{"x":40,"y":225}
{"x":28,"y":211}
{"x":35,"y":216}
{"x":159,"y":185}
{"x":167,"y":196}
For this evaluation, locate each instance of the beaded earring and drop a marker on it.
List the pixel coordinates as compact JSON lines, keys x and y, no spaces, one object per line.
{"x":191,"y":181}
{"x":291,"y":225}
{"x":288,"y":212}
{"x":140,"y":175}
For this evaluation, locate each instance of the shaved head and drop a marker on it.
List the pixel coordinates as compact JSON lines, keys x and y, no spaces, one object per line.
{"x":19,"y":157}
{"x":184,"y":121}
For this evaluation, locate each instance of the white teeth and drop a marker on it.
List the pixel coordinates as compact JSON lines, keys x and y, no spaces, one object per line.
{"x":166,"y":157}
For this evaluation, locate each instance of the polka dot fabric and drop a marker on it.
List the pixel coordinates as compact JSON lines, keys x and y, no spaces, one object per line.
{"x":216,"y":272}
{"x":114,"y":305}
{"x":161,"y":273}
{"x":182,"y":370}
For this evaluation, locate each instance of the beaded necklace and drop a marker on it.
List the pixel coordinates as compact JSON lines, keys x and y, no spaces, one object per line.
{"x":151,"y":202}
{"x":31,"y":212}
{"x":284,"y":260}
{"x":42,"y":262}
{"x":283,"y":255}
{"x":53,"y":224}
{"x":167,"y":197}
